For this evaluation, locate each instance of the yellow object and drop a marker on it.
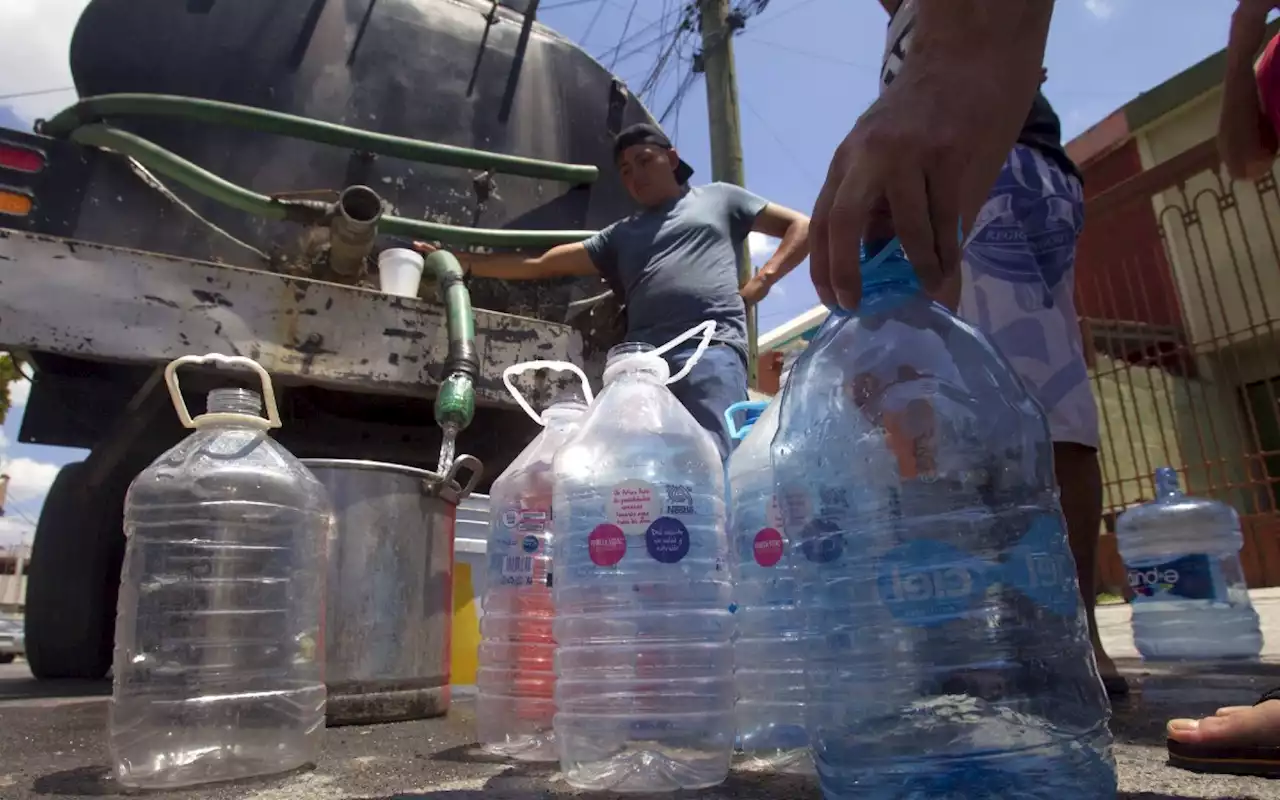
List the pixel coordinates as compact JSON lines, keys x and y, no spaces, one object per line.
{"x":466,"y":627}
{"x":15,"y":203}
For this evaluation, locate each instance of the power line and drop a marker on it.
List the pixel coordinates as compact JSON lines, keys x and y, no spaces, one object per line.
{"x":808,"y":53}
{"x":764,"y":123}
{"x":625,"y":28}
{"x":36,"y":92}
{"x":796,"y":6}
{"x":592,"y":24}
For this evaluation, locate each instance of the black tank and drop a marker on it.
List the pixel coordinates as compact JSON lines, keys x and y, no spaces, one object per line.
{"x":441,"y":70}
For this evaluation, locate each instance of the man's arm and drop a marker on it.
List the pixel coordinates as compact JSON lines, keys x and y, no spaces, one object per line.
{"x":930,"y":148}
{"x":1246,"y":138}
{"x":560,"y":261}
{"x":792,"y":228}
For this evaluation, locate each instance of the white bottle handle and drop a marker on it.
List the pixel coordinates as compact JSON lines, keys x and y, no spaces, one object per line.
{"x":180,"y":405}
{"x":527,"y":366}
{"x":706,"y":329}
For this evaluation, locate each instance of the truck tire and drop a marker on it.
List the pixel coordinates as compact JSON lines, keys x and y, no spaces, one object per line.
{"x":74,"y":578}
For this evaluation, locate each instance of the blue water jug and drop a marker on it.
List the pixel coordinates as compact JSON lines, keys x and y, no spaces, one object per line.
{"x":1183,"y":557}
{"x":947,"y":650}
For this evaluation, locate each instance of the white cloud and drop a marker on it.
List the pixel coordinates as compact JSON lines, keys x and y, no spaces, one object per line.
{"x":29,"y":480}
{"x":1102,"y":9}
{"x":762,"y":247}
{"x":35,"y":36}
{"x":19,"y":391}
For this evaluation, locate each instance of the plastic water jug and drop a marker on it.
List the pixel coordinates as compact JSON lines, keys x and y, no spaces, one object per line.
{"x":947,"y":650}
{"x":642,"y":587}
{"x":219,"y":659}
{"x":516,"y":680}
{"x":1183,"y":557}
{"x":769,"y":646}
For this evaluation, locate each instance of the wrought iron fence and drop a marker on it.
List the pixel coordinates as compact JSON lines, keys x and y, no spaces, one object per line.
{"x":1179,"y":293}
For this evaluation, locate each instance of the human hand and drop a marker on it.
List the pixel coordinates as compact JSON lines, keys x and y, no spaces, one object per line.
{"x":755,"y":290}
{"x":426,"y":248}
{"x":1249,"y":22}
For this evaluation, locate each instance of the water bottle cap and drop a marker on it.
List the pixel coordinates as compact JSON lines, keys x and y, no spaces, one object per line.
{"x":642,"y":357}
{"x":1167,"y":481}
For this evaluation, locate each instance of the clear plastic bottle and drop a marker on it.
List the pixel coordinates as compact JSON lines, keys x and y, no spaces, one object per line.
{"x":219,"y":659}
{"x":948,"y":655}
{"x":1183,"y":558}
{"x":516,"y":680}
{"x":642,"y":588}
{"x":769,"y":646}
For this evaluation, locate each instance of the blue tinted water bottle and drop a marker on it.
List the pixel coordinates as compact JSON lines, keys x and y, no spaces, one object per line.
{"x":769,"y":646}
{"x":515,"y":705}
{"x":644,"y":691}
{"x":947,"y":650}
{"x":1183,"y":557}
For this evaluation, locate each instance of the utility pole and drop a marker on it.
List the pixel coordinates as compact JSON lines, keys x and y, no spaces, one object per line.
{"x":718,"y":25}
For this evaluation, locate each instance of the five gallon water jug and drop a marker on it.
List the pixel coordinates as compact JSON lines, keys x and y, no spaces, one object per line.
{"x":219,"y":660}
{"x":948,"y":655}
{"x":1183,"y":556}
{"x":642,"y":588}
{"x":769,"y":649}
{"x":516,"y":679}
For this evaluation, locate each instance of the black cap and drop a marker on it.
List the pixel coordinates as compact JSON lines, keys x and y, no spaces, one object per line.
{"x":645,"y":133}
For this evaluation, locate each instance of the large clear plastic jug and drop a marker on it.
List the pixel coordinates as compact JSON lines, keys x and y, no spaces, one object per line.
{"x":948,"y":655}
{"x":769,"y":646}
{"x":516,"y":680}
{"x":219,"y":659}
{"x":1183,"y":558}
{"x":642,"y":588}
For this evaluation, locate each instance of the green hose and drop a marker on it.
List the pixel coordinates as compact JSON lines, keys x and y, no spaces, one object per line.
{"x":92,"y":110}
{"x":456,"y":400}
{"x":307,"y":212}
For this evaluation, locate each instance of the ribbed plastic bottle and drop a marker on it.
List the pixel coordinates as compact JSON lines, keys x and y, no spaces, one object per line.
{"x":219,"y":658}
{"x":948,"y":655}
{"x":1183,"y":558}
{"x":769,"y":645}
{"x":642,"y":588}
{"x":516,"y":680}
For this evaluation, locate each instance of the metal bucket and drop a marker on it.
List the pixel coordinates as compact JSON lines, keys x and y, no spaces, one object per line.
{"x":388,"y":620}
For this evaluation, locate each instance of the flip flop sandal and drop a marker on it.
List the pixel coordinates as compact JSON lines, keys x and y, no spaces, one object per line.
{"x":1228,"y":759}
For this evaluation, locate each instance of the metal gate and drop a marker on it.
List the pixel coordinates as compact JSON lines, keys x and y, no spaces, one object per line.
{"x":1178,"y":284}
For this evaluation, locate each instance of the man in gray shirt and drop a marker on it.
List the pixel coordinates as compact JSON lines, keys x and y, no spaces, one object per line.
{"x":676,"y":263}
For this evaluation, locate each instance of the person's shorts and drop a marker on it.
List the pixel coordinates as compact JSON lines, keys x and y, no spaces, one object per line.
{"x":1019,"y":287}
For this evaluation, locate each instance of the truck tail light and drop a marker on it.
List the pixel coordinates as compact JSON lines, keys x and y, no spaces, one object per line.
{"x":22,"y":159}
{"x":15,"y":203}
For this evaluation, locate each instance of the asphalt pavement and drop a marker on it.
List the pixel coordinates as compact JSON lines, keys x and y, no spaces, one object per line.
{"x":53,"y":744}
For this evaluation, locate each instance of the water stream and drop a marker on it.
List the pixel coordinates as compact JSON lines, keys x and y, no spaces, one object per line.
{"x":448,"y":448}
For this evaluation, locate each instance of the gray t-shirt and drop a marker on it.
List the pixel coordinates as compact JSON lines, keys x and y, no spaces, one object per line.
{"x":677,"y":265}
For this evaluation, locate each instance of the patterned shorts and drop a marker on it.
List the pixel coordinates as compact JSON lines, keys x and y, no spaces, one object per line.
{"x":1019,"y":287}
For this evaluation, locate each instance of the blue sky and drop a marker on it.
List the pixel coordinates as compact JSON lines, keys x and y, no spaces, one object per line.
{"x":806,"y":69}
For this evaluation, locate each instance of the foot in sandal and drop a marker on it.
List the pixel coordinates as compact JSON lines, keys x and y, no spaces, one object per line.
{"x":1238,"y":740}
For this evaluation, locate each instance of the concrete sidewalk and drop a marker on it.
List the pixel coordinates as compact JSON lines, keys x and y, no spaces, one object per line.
{"x":53,"y":743}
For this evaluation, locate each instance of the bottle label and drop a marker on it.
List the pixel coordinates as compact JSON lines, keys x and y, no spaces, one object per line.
{"x":667,"y":540}
{"x":768,"y":547}
{"x":633,"y":506}
{"x":1186,"y":578}
{"x":516,"y":550}
{"x":927,"y":583}
{"x":606,"y":545}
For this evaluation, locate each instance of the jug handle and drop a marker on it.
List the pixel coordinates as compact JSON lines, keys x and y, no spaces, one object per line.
{"x":730,"y":414}
{"x":476,"y":470}
{"x":563,"y":366}
{"x":180,"y":405}
{"x":707,"y":329}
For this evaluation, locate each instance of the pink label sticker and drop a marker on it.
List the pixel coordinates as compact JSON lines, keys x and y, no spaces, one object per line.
{"x":634,"y":505}
{"x":768,"y":547}
{"x":606,"y":545}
